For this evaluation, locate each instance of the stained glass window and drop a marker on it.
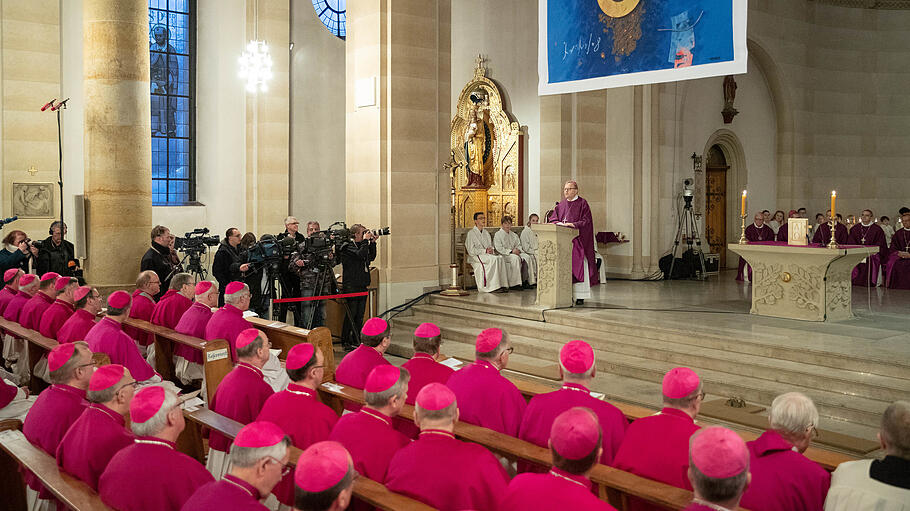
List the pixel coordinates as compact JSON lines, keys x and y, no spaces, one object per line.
{"x":172,"y":29}
{"x":332,"y":15}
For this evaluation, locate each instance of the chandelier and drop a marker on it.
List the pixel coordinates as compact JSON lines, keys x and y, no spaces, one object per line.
{"x":256,"y":66}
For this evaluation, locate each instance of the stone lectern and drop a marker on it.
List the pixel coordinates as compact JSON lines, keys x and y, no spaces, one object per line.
{"x":554,"y":265}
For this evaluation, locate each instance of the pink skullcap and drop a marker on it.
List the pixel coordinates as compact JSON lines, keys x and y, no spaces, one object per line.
{"x":488,"y":340}
{"x":146,"y":403}
{"x":202,"y":287}
{"x":233,"y":287}
{"x":49,"y":276}
{"x":247,"y":336}
{"x":382,"y":378}
{"x":259,"y":434}
{"x":374,"y":326}
{"x":10,"y":273}
{"x":26,"y":279}
{"x":718,"y":452}
{"x":7,"y":393}
{"x":106,"y":377}
{"x":577,"y":357}
{"x":427,"y":331}
{"x":299,"y":355}
{"x":118,"y":299}
{"x":61,"y":283}
{"x":575,"y":433}
{"x":322,"y":466}
{"x":60,"y":355}
{"x":81,"y":292}
{"x":793,"y":212}
{"x":679,"y":382}
{"x":435,"y":396}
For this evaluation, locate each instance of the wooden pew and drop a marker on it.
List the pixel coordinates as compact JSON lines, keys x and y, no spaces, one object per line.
{"x":829,"y":460}
{"x":12,"y":486}
{"x":287,"y":336}
{"x":73,"y":493}
{"x":367,"y":490}
{"x":614,"y":485}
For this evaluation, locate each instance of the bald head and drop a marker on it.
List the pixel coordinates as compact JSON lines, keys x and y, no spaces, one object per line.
{"x":895,"y":432}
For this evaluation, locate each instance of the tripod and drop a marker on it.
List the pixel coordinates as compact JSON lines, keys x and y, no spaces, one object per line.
{"x":194,"y":267}
{"x":688,"y":228}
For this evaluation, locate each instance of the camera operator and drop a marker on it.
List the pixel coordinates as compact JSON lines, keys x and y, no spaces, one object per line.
{"x":55,"y":253}
{"x":158,"y":258}
{"x":290,"y":284}
{"x":253,"y":277}
{"x":16,"y":251}
{"x":307,"y":268}
{"x":228,"y":264}
{"x":355,"y":263}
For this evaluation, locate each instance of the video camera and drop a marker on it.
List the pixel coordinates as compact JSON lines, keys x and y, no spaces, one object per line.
{"x":196,"y":241}
{"x":271,"y":250}
{"x":338,"y":235}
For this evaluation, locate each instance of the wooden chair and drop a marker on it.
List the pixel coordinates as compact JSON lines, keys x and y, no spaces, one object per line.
{"x":367,"y":490}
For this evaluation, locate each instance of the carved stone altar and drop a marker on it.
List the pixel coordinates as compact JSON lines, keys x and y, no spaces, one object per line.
{"x":554,"y":265}
{"x":809,"y":283}
{"x":487,"y":149}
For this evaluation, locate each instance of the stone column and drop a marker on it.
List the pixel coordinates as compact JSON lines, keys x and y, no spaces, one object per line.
{"x":118,"y":147}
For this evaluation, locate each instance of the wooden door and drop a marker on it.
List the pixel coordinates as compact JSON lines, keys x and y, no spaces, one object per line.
{"x":716,"y":203}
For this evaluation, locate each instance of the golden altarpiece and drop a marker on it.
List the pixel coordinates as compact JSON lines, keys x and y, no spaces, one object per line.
{"x":488,"y":153}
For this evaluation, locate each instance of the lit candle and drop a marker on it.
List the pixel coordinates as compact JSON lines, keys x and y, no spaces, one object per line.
{"x":833,"y":197}
{"x":743,"y":209}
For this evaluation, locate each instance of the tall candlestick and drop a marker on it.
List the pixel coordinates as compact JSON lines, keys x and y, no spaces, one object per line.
{"x":833,"y":197}
{"x":743,"y":208}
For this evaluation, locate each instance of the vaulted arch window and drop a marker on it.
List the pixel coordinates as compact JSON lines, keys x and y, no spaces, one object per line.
{"x":332,"y":15}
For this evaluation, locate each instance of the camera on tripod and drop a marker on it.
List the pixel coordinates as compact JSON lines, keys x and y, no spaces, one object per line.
{"x":688,"y":192}
{"x":270,"y":250}
{"x":196,"y":241}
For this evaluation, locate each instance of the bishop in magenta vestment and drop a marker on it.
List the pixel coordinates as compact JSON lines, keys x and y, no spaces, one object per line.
{"x":356,"y":366}
{"x":14,"y":309}
{"x":487,"y":398}
{"x":447,"y":474}
{"x":240,"y":396}
{"x":54,"y":317}
{"x":30,"y":317}
{"x":229,"y":494}
{"x":298,"y":411}
{"x":76,"y":327}
{"x":6,"y":295}
{"x":783,"y":479}
{"x":225,"y":324}
{"x":898,"y":271}
{"x":866,"y":273}
{"x":107,"y":336}
{"x":193,"y":323}
{"x":657,"y":447}
{"x":424,"y":370}
{"x":168,"y":311}
{"x":151,"y":475}
{"x":554,"y":490}
{"x":544,"y":408}
{"x":371,"y":439}
{"x":141,"y":308}
{"x":90,"y":443}
{"x":823,"y":234}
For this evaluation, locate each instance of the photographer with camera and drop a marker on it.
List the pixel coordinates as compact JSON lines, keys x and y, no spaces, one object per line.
{"x":313,"y":267}
{"x":356,"y":257}
{"x":228,"y":263}
{"x":158,"y":257}
{"x":290,"y":284}
{"x":55,"y":253}
{"x":16,"y":251}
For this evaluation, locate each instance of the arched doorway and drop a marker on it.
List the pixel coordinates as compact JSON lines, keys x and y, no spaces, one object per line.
{"x":716,"y":202}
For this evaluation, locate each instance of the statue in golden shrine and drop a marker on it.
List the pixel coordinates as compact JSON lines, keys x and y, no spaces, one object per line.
{"x":477,"y":144}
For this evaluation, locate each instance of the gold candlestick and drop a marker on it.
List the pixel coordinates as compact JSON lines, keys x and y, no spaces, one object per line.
{"x":742,"y":233}
{"x":833,"y":242}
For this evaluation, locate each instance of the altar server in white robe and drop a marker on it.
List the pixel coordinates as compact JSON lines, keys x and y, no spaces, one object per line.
{"x":491,"y":272}
{"x":508,"y":245}
{"x":529,"y":238}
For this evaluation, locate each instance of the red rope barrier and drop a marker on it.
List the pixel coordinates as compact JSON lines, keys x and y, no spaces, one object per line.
{"x":326,"y":297}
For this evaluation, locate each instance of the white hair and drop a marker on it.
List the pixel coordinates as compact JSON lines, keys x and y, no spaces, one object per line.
{"x":896,"y":429}
{"x":158,"y":421}
{"x":236,"y":296}
{"x":249,"y":456}
{"x":290,"y":220}
{"x":793,"y":413}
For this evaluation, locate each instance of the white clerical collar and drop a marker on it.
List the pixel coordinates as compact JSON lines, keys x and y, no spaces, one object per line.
{"x":867,"y":225}
{"x":758,"y":226}
{"x":573,"y":199}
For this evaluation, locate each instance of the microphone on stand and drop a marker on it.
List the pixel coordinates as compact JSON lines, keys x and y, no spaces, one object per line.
{"x":60,"y":105}
{"x":8,"y":220}
{"x":49,"y":104}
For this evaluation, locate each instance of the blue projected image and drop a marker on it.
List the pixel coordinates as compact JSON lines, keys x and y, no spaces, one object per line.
{"x":332,"y":13}
{"x":170,"y":88}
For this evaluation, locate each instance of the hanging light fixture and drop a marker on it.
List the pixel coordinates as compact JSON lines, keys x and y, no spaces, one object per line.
{"x":256,"y":63}
{"x":256,"y":66}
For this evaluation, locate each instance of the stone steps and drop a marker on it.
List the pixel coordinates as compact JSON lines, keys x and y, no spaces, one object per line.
{"x":755,"y":379}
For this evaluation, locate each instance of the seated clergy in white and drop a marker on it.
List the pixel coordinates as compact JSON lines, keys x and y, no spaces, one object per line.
{"x":508,"y":245}
{"x":882,"y":485}
{"x":491,"y":271}
{"x":528,"y":237}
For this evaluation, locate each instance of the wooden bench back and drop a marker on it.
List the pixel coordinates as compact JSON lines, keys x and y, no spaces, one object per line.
{"x":286,"y":336}
{"x":73,"y":493}
{"x":367,"y":490}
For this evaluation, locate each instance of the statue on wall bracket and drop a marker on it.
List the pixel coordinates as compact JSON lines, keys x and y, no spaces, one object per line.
{"x":488,"y":150}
